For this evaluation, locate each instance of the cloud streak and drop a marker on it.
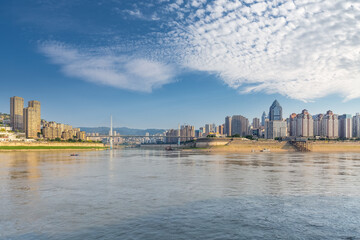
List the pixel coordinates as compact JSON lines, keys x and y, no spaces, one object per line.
{"x":120,"y":71}
{"x":304,"y":49}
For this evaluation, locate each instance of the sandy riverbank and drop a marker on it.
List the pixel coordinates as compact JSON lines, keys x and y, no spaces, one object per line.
{"x":246,"y":146}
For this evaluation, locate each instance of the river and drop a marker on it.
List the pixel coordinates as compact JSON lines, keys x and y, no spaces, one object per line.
{"x":154,"y":194}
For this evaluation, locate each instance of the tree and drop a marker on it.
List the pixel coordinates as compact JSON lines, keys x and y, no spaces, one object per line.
{"x":251,"y":137}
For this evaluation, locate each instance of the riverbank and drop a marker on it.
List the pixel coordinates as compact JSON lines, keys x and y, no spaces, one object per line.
{"x":39,"y":146}
{"x":246,"y":146}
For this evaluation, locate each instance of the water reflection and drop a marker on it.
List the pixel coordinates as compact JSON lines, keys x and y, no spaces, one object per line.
{"x":148,"y":194}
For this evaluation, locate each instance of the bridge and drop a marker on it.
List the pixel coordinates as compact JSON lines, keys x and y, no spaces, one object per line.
{"x":111,"y":136}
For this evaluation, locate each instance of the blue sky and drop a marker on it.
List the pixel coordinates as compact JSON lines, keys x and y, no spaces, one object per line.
{"x":154,"y":64}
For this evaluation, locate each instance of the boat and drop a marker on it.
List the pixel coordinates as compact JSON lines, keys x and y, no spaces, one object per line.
{"x":169,"y":148}
{"x":265,"y":150}
{"x":74,"y":154}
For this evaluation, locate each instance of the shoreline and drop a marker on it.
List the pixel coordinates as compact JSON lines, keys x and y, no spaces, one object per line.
{"x":225,"y":150}
{"x":48,"y":146}
{"x":253,"y":146}
{"x":53,"y":149}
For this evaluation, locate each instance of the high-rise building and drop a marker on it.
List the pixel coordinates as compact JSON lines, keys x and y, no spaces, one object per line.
{"x":318,"y":128}
{"x":81,"y":135}
{"x":201,"y":131}
{"x":275,"y":111}
{"x":304,"y":124}
{"x":37,"y":107}
{"x":239,"y":125}
{"x":227,"y":126}
{"x":292,"y":125}
{"x":210,"y":128}
{"x":263,"y":118}
{"x":30,"y":123}
{"x":345,"y":126}
{"x":16,"y":113}
{"x":172,"y":136}
{"x":187,"y":133}
{"x":356,"y":125}
{"x":330,"y":125}
{"x":197,"y":134}
{"x":256,"y":123}
{"x":275,"y":128}
{"x":221,"y":129}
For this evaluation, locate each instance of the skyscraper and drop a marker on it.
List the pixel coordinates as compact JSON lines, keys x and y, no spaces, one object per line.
{"x":330,"y":125}
{"x":318,"y":128}
{"x":221,"y":129}
{"x":345,"y":126}
{"x":37,"y":107}
{"x":187,"y":133}
{"x":227,"y":127}
{"x":30,"y":123}
{"x":256,"y":123}
{"x":292,"y":125}
{"x":304,"y":124}
{"x":239,"y":125}
{"x":263,"y":118}
{"x":275,"y":126}
{"x":16,"y":113}
{"x":275,"y":129}
{"x":356,"y":125}
{"x":275,"y":111}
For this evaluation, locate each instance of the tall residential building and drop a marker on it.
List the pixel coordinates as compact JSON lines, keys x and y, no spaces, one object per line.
{"x":263,"y":118}
{"x":292,"y":125}
{"x":172,"y":136}
{"x":275,"y":112}
{"x":304,"y":124}
{"x":239,"y":125}
{"x":81,"y":135}
{"x":330,"y":125}
{"x":16,"y":113}
{"x":318,"y":128}
{"x":356,"y":125}
{"x":221,"y":129}
{"x":256,"y":123}
{"x":187,"y":133}
{"x":30,"y":123}
{"x":227,"y":126}
{"x":36,"y":105}
{"x":345,"y":126}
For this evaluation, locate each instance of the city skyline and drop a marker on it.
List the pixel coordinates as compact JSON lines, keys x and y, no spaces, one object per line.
{"x":204,"y":122}
{"x":130,"y":60}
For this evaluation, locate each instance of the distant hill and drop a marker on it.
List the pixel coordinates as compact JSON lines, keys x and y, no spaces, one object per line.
{"x":122,"y":130}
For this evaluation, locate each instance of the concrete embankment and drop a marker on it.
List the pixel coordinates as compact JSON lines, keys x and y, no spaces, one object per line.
{"x":245,"y":145}
{"x":26,"y":146}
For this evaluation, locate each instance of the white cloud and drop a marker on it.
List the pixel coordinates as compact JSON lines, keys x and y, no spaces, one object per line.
{"x":304,"y":49}
{"x":137,"y":74}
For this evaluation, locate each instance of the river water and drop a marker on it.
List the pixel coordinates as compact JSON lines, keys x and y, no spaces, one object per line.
{"x":153,"y":194}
